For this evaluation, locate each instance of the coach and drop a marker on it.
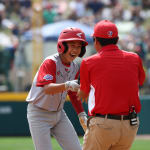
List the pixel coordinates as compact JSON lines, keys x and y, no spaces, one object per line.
{"x":110,"y":79}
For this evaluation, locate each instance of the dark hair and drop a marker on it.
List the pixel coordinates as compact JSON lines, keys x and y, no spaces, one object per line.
{"x":83,"y":49}
{"x":105,"y":42}
{"x":66,"y":47}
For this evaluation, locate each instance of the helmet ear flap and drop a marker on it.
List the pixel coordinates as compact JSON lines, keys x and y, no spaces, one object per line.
{"x":83,"y":50}
{"x":60,"y":47}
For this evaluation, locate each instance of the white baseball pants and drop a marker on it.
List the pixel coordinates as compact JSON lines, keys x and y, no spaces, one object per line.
{"x":43,"y":124}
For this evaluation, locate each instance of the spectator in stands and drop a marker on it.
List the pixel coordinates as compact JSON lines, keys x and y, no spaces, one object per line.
{"x":49,"y":14}
{"x":140,"y":49}
{"x":25,"y":3}
{"x":135,"y":7}
{"x":77,"y":8}
{"x":2,"y":13}
{"x":117,"y":11}
{"x":95,"y":5}
{"x":138,"y":31}
{"x":62,"y":9}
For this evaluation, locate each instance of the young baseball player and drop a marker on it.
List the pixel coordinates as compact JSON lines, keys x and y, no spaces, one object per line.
{"x":53,"y":81}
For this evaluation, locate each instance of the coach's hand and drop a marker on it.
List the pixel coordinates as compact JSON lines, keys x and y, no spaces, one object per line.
{"x":82,"y":96}
{"x":83,"y":120}
{"x":72,"y":85}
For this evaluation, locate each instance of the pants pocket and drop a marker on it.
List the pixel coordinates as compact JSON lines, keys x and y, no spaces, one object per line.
{"x":100,"y":123}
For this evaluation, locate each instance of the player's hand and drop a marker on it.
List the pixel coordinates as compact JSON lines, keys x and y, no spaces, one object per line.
{"x":83,"y":120}
{"x":72,"y":85}
{"x":84,"y":100}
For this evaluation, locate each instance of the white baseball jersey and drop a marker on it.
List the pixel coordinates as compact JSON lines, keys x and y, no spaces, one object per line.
{"x":52,"y":70}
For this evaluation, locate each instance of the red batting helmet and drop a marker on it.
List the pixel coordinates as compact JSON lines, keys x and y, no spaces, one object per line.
{"x":105,"y":29}
{"x":70,"y":34}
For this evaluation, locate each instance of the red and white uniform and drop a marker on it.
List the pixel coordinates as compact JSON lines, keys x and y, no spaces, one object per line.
{"x":52,"y":70}
{"x":45,"y":112}
{"x":112,"y":78}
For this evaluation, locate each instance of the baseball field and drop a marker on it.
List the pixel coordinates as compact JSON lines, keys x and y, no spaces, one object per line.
{"x":25,"y":143}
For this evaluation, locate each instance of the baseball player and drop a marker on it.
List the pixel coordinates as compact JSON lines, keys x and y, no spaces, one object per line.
{"x":111,"y":78}
{"x":53,"y":81}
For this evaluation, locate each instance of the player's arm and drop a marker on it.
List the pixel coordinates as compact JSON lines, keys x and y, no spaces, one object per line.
{"x":54,"y":88}
{"x":75,"y":102}
{"x":78,"y":108}
{"x":47,"y":79}
{"x":78,"y":105}
{"x":74,"y":99}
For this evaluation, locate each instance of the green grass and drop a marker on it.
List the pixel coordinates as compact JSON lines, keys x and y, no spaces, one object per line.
{"x":25,"y":143}
{"x":141,"y":145}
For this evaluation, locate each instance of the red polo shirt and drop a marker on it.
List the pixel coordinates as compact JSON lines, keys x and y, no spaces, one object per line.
{"x":112,"y":78}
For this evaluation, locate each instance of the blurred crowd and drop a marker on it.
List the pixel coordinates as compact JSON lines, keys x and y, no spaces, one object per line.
{"x":16,"y":19}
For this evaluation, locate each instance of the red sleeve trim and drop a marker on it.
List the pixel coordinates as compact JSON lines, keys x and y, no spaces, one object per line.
{"x":46,"y":73}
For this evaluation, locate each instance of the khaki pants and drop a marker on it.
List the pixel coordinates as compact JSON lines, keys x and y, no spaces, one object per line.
{"x":109,"y":134}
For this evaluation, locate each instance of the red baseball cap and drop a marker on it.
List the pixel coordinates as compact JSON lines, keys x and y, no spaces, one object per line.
{"x":105,"y":29}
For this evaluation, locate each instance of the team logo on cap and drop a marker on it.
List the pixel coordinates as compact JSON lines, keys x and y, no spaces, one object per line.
{"x":79,"y":34}
{"x":109,"y":33}
{"x":48,"y":77}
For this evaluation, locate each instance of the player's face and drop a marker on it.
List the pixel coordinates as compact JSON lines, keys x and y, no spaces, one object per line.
{"x":74,"y":49}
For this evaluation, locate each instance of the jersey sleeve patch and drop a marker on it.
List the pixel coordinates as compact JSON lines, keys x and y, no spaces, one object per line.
{"x":48,"y":77}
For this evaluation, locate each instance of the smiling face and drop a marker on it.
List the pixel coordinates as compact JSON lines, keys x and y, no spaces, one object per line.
{"x":74,"y":49}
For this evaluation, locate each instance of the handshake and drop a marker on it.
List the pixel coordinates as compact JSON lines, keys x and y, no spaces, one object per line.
{"x":72,"y":85}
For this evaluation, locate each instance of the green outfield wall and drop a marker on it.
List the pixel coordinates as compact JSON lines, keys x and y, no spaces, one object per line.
{"x":13,"y":120}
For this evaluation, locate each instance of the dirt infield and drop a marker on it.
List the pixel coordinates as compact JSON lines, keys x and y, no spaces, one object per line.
{"x":144,"y":137}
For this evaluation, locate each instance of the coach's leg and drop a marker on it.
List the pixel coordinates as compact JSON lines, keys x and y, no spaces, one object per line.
{"x":101,"y":134}
{"x":39,"y":128}
{"x":127,"y":137}
{"x":65,"y":134}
